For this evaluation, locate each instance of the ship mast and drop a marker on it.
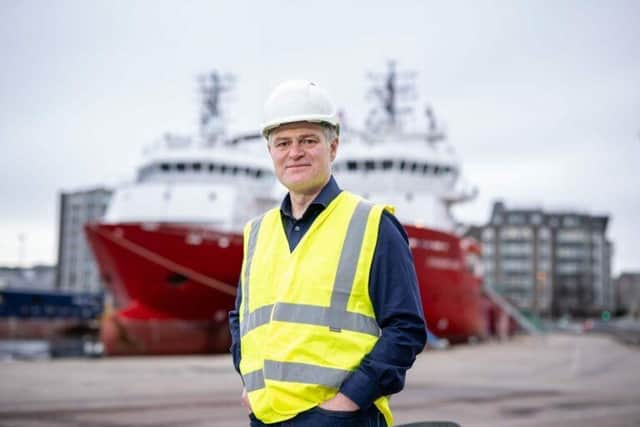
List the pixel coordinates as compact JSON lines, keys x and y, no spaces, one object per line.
{"x":391,"y":90}
{"x":212,"y":87}
{"x":435,"y":132}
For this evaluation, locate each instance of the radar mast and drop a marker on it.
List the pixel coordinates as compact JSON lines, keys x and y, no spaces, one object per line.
{"x":391,"y":91}
{"x":212,"y":87}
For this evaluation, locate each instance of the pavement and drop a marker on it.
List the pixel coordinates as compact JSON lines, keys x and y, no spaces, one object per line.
{"x":555,"y":380}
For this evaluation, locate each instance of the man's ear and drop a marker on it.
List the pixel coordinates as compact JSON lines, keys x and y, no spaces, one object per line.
{"x":333,"y":146}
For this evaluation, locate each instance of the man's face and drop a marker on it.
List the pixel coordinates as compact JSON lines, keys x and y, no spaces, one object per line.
{"x":302,"y":156}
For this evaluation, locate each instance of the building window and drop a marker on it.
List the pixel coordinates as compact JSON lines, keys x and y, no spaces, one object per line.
{"x":544,"y":265}
{"x":568,"y":252}
{"x":570,"y":221}
{"x":487,"y":234}
{"x":568,"y":268}
{"x":516,"y":219}
{"x":516,"y":249}
{"x":572,"y":236}
{"x":517,"y":233}
{"x":544,"y":250}
{"x":516,"y":265}
{"x":544,"y":233}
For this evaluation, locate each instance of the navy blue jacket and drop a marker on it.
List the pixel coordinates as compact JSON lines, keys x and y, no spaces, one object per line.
{"x":393,"y":290}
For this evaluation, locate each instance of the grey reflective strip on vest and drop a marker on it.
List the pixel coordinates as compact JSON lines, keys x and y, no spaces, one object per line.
{"x":349,"y":261}
{"x":294,"y":372}
{"x":258,"y":317}
{"x":253,"y":380}
{"x":304,"y":373}
{"x":251,"y":248}
{"x":325,"y":316}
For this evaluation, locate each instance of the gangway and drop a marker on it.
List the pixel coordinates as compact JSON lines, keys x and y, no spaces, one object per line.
{"x":511,"y":310}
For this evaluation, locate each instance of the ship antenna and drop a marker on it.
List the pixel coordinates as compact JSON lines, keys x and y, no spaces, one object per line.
{"x":435,"y":132}
{"x":388,"y":93}
{"x":390,"y":98}
{"x":212,"y":86}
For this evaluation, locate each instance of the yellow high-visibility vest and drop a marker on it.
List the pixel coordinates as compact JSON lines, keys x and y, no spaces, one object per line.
{"x":306,"y":319}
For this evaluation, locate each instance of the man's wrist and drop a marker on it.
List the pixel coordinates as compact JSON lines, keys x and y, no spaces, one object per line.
{"x":360,"y":389}
{"x":340,"y":402}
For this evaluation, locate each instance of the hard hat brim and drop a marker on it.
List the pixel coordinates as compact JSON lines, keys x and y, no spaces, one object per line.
{"x":267,"y":127}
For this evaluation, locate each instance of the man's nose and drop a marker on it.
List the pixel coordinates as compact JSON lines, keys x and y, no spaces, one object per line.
{"x":296,"y":150}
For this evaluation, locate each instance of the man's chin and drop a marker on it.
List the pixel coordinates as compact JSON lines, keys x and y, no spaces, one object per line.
{"x":303,"y":187}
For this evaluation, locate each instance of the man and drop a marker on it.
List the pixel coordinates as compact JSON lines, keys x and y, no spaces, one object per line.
{"x":328,"y":315}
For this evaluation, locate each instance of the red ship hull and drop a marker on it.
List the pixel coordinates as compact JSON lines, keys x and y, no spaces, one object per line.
{"x":173,"y":286}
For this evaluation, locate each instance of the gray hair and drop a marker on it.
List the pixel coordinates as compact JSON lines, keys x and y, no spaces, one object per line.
{"x":329,"y":131}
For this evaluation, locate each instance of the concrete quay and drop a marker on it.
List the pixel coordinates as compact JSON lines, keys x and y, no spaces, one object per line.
{"x":555,"y":380}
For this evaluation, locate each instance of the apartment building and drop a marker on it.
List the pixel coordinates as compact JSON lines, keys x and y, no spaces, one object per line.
{"x":77,"y":269}
{"x":551,"y":263}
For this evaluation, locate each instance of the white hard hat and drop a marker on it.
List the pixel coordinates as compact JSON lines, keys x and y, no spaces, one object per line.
{"x":298,"y":101}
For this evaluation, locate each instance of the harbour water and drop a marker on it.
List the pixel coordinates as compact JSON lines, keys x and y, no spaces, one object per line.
{"x":559,"y":379}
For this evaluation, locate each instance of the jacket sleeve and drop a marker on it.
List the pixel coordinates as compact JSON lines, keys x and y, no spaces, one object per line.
{"x":234,"y":328}
{"x":393,"y":289}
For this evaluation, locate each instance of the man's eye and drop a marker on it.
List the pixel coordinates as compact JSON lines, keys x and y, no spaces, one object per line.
{"x":308,"y":141}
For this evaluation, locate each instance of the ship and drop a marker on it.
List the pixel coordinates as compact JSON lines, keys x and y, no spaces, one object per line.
{"x":46,"y":314}
{"x":169,"y":249}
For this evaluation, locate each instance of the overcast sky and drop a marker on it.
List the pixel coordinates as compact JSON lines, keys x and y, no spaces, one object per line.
{"x":541,"y":99}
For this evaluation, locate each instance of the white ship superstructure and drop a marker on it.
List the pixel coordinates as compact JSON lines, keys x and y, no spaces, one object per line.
{"x":225,"y":185}
{"x":221,"y":185}
{"x":421,"y":178}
